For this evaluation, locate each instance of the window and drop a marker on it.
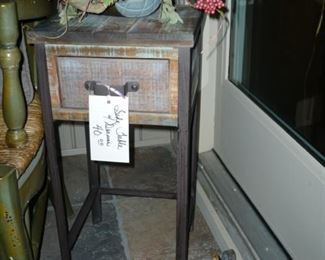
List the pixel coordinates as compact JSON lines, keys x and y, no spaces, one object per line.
{"x":277,"y":58}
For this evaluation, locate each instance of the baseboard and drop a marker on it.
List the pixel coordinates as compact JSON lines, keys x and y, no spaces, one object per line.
{"x":71,"y":152}
{"x":143,"y":143}
{"x":152,"y":142}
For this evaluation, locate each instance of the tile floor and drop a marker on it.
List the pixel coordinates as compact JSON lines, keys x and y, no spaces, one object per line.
{"x":132,"y":228}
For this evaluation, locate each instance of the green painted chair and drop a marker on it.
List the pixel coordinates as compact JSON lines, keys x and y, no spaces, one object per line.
{"x":23,"y":179}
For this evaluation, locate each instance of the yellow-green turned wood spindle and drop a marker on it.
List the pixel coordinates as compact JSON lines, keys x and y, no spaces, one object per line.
{"x":13,"y":100}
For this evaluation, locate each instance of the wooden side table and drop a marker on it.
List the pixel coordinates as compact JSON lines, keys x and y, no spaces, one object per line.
{"x":164,"y":59}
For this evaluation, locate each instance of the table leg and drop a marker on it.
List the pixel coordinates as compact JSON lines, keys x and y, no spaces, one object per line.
{"x":94,"y":181}
{"x":52,"y":156}
{"x":182,"y":206}
{"x":183,"y":156}
{"x":194,"y":158}
{"x":186,"y":186}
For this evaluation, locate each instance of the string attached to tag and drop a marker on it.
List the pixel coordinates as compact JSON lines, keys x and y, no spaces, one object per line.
{"x":110,"y":91}
{"x":113,"y":90}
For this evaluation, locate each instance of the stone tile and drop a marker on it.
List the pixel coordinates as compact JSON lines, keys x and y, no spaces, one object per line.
{"x":75,"y":174}
{"x":154,"y":169}
{"x":149,"y":225}
{"x":202,"y":243}
{"x":50,"y":248}
{"x":100,"y":241}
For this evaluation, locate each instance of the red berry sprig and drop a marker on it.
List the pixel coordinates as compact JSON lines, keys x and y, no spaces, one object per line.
{"x":209,"y":6}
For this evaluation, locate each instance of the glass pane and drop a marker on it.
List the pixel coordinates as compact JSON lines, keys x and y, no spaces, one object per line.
{"x":277,"y":57}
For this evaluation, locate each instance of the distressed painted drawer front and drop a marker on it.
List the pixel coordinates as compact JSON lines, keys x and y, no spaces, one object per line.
{"x":152,"y":96}
{"x":154,"y":68}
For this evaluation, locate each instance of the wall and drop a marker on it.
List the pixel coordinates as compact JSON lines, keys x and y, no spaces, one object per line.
{"x":72,"y":138}
{"x":208,"y":85}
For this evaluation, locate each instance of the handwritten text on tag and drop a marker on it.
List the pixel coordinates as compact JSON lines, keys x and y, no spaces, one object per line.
{"x":109,"y":128}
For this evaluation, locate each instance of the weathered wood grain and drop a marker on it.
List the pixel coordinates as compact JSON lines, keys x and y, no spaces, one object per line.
{"x":156,"y":69}
{"x":152,"y":75}
{"x":103,"y":29}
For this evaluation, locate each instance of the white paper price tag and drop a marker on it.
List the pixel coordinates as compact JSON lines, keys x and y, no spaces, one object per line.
{"x":109,"y":128}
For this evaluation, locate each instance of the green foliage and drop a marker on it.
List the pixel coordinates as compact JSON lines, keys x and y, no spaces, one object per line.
{"x":109,"y":2}
{"x":168,"y":13}
{"x":67,"y":13}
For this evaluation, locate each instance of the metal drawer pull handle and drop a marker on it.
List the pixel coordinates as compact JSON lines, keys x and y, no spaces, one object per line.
{"x":101,"y":89}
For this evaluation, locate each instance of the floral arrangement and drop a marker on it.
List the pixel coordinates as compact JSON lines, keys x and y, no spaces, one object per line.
{"x":210,"y":6}
{"x":78,"y":8}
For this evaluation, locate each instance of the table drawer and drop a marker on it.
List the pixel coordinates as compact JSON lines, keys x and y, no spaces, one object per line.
{"x":155,"y":69}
